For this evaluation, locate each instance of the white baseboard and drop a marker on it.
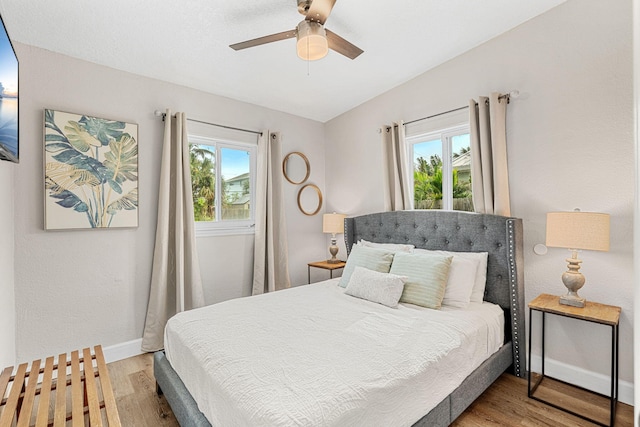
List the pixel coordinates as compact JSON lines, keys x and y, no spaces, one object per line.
{"x":116,"y":352}
{"x":581,"y":377}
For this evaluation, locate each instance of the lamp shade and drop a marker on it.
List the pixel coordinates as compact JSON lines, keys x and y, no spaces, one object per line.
{"x":578,"y":230}
{"x":312,"y":41}
{"x":333,"y":223}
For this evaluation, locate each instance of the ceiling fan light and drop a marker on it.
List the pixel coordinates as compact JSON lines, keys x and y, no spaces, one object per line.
{"x":312,"y":41}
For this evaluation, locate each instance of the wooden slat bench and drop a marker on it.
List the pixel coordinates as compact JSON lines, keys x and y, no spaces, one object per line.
{"x":53,"y":396}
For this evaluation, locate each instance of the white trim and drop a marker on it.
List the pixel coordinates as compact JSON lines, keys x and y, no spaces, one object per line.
{"x":222,"y":231}
{"x":113,"y":353}
{"x":124,"y":350}
{"x":581,"y":377}
{"x":224,"y":227}
{"x":445,"y":136}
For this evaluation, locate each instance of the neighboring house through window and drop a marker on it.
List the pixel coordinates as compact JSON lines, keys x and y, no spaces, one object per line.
{"x":223,"y":174}
{"x":440,"y":152}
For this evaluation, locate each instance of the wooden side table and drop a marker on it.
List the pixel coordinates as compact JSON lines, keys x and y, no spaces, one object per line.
{"x":325,"y":266}
{"x":592,"y":312}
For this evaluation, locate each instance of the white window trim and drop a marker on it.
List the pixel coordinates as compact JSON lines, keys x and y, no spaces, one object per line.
{"x":229,"y":227}
{"x":446,"y":137}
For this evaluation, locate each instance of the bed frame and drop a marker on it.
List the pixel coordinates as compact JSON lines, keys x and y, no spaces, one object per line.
{"x":459,"y":231}
{"x":456,"y":231}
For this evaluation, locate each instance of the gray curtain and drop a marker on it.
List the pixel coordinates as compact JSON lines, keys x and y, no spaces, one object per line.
{"x":175,"y":278}
{"x":399,"y":194}
{"x":489,"y":172}
{"x":271,"y":259}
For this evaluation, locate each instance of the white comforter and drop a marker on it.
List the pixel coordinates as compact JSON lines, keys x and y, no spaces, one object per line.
{"x":313,"y":356}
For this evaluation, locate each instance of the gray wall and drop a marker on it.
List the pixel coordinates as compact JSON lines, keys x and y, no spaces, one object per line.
{"x":77,"y":288}
{"x":570,"y":144}
{"x":7,"y":299}
{"x":636,"y":222}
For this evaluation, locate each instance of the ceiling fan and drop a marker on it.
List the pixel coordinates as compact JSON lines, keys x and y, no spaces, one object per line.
{"x":314,"y":41}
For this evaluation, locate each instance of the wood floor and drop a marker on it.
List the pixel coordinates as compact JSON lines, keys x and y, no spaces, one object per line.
{"x":504,"y":404}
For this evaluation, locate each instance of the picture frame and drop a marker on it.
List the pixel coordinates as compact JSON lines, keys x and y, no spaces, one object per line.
{"x":9,"y":100}
{"x":91,"y":172}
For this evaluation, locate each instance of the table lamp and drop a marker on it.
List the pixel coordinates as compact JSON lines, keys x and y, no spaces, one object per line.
{"x":333,"y":223}
{"x":576,"y":231}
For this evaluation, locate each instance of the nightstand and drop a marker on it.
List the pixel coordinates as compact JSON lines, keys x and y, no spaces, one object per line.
{"x":592,"y":312}
{"x":325,"y":266}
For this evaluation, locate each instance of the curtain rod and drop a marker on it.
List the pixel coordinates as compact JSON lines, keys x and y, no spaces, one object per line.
{"x":157,"y":113}
{"x":426,"y":118}
{"x":507,"y":96}
{"x":436,"y":115}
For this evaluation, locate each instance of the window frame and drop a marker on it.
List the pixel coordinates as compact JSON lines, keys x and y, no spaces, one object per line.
{"x":220,"y":227}
{"x":445,"y":135}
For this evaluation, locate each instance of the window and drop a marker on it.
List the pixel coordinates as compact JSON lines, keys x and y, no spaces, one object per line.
{"x":223,"y":185}
{"x":442,"y":168}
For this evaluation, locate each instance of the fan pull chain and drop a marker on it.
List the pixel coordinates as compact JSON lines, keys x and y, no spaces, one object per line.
{"x":308,"y":56}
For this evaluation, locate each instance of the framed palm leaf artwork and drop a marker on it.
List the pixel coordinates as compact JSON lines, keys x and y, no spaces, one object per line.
{"x":91,"y":172}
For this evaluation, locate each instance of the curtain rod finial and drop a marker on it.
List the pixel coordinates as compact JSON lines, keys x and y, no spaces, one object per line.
{"x":157,"y":113}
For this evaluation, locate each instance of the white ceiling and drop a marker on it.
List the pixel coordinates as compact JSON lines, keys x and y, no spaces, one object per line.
{"x":187,"y":42}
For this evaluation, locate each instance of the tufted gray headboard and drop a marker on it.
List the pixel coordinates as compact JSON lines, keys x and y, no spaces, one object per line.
{"x":459,"y":231}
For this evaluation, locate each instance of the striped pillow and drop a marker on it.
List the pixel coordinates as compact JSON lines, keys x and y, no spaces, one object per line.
{"x":480,"y":282}
{"x":370,"y":258}
{"x":427,"y":277}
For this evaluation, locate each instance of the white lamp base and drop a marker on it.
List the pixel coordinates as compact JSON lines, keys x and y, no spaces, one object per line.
{"x":573,"y":300}
{"x":333,"y":250}
{"x":573,"y":280}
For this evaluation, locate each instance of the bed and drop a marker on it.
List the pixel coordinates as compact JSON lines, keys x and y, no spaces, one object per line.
{"x":500,"y":237}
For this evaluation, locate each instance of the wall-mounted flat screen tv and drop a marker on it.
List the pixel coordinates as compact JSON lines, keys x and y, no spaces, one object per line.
{"x":8,"y":98}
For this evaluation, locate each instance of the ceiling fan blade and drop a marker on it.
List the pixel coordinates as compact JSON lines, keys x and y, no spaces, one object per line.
{"x":264,"y":40}
{"x":342,"y":46}
{"x":319,"y":10}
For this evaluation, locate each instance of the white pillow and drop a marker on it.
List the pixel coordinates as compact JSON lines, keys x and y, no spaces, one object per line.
{"x":381,"y":288}
{"x":477,"y":294}
{"x":393,"y":247}
{"x":462,"y":275}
